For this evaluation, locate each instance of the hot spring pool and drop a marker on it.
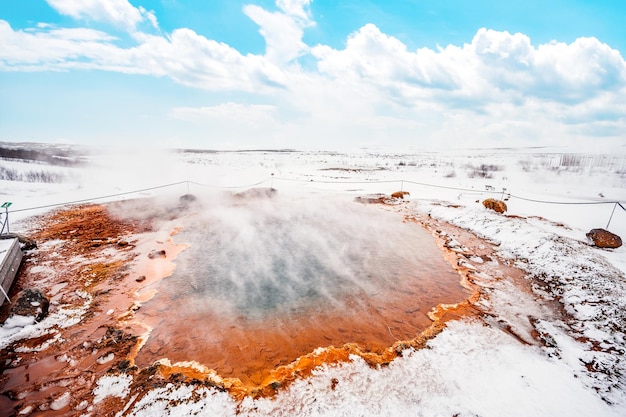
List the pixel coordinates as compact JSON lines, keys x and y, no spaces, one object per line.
{"x":265,"y":281}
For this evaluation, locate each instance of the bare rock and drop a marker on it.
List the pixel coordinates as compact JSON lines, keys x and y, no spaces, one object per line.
{"x":31,"y":303}
{"x":157,"y":254}
{"x":372,"y":199}
{"x":604,"y":239}
{"x":400,"y":194}
{"x":187,"y":201}
{"x":498,"y":206}
{"x":187,"y":198}
{"x":256,"y":193}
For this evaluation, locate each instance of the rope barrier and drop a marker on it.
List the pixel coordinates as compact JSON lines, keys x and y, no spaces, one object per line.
{"x":227,"y":187}
{"x":309,"y":181}
{"x":85,"y":200}
{"x":564,"y":202}
{"x":335,"y":182}
{"x":467,"y":190}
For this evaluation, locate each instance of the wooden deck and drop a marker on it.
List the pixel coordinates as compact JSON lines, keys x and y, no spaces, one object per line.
{"x":10,"y":260}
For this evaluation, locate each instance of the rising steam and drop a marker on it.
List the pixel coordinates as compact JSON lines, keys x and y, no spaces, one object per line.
{"x":260,"y":256}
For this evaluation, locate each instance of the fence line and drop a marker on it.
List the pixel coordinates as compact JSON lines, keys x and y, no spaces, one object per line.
{"x":86,"y":200}
{"x":312,"y":181}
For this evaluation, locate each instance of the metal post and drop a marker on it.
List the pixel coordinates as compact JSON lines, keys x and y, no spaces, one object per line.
{"x":402,"y":185}
{"x":272,"y":181}
{"x":6,"y":206}
{"x":610,"y":218}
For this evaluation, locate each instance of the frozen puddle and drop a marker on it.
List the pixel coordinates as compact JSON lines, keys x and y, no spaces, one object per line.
{"x":268,"y":280}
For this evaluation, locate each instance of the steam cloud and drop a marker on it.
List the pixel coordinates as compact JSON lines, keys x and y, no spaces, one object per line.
{"x":277,"y":255}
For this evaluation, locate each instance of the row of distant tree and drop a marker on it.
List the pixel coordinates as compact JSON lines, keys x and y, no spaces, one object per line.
{"x":54,"y":156}
{"x":11,"y":174}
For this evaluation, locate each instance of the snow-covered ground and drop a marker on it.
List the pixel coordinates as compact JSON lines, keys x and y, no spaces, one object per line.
{"x":575,"y":365}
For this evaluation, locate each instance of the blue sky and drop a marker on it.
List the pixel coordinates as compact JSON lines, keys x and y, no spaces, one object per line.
{"x":314,"y":74}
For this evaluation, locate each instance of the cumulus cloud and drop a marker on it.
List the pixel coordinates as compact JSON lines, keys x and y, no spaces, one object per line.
{"x":372,"y":56}
{"x":578,"y":71}
{"x":118,"y":12}
{"x":494,"y":65}
{"x":497,"y":85}
{"x":193,"y":60}
{"x":282,"y":30}
{"x":184,"y":56}
{"x":48,"y":48}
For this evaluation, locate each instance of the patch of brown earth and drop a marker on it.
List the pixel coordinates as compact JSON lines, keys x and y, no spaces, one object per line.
{"x":83,"y":264}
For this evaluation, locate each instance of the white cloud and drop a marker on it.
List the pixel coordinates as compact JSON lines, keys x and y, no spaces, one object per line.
{"x":184,"y":56}
{"x":150,"y":16}
{"x":498,"y":86}
{"x":372,"y":56}
{"x":193,"y":60}
{"x":118,"y":12}
{"x":295,"y":8}
{"x":51,"y":49}
{"x":282,"y":30}
{"x":578,"y":71}
{"x":494,"y":66}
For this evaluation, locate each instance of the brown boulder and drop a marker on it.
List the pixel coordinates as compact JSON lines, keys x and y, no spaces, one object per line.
{"x":31,"y":303}
{"x":604,"y":239}
{"x":400,"y":194}
{"x":495,"y":205}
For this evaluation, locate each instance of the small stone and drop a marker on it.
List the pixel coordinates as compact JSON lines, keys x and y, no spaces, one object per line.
{"x":157,"y":254}
{"x":141,"y":278}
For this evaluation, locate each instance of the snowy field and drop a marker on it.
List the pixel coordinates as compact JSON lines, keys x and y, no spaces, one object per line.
{"x":557,"y":367}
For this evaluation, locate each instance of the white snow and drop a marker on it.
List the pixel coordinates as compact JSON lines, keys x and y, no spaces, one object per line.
{"x":105,"y":358}
{"x":17,"y":328}
{"x":112,"y":386}
{"x":469,"y":369}
{"x":5,"y":244}
{"x":472,"y":368}
{"x":208,"y":402}
{"x":61,"y":402}
{"x":13,"y":323}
